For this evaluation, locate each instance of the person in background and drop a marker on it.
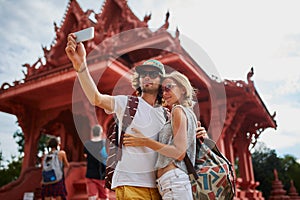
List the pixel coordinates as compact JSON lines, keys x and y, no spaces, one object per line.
{"x":95,"y":153}
{"x":56,"y":190}
{"x":176,"y":139}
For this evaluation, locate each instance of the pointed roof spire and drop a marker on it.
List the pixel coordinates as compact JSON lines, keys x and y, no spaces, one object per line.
{"x":293,"y":192}
{"x":277,"y":193}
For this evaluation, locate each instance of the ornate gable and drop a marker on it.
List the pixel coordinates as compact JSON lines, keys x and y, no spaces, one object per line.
{"x":74,"y":19}
{"x":121,"y":19}
{"x":114,"y":17}
{"x":55,"y":58}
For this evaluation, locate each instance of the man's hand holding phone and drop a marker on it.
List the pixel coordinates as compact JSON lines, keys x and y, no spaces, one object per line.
{"x":75,"y":49}
{"x":84,"y":35}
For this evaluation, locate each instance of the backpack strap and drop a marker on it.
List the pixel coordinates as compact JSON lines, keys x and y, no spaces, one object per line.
{"x":189,"y":166}
{"x":166,"y":113}
{"x":129,"y":114}
{"x":113,"y":146}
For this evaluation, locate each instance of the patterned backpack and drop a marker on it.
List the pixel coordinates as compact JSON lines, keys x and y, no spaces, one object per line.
{"x":212,"y":176}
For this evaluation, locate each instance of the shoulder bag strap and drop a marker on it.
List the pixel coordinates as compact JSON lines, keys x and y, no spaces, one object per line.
{"x":189,"y":166}
{"x":129,"y":114}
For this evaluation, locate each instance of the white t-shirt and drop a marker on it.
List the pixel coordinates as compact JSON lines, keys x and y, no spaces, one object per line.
{"x":137,"y":165}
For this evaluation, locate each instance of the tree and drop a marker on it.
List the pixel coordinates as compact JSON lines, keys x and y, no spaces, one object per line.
{"x":265,"y":160}
{"x":292,"y":170}
{"x":20,"y":140}
{"x":12,"y":171}
{"x":1,"y":160}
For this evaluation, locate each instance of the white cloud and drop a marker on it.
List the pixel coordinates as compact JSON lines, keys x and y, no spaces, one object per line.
{"x":8,"y":126}
{"x":287,"y":133}
{"x":291,"y":86}
{"x":290,"y":47}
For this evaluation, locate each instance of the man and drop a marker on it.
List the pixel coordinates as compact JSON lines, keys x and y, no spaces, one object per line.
{"x":95,"y":170}
{"x":134,"y":176}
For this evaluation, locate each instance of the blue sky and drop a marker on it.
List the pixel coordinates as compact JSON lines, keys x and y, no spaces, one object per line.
{"x":236,"y":35}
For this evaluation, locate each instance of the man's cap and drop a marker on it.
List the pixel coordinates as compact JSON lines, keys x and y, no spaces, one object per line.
{"x":151,"y":63}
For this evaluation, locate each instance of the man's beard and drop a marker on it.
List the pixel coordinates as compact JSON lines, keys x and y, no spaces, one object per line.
{"x":150,"y":90}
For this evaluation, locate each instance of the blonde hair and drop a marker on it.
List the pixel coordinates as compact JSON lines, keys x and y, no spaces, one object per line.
{"x":183,"y":82}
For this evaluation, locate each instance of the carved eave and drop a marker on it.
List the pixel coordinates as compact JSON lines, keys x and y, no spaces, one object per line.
{"x":55,"y":58}
{"x":244,"y":100}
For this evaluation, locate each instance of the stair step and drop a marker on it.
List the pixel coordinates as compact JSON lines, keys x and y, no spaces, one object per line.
{"x":81,"y":194}
{"x":111,"y":196}
{"x":79,"y":197}
{"x":80,"y":185}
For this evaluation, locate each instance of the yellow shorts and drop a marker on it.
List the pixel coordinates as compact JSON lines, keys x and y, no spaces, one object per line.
{"x":136,"y":193}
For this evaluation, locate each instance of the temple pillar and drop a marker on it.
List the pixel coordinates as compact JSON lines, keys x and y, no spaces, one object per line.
{"x":232,"y":124}
{"x":30,"y":149}
{"x":216,"y":126}
{"x":242,"y":144}
{"x":31,"y":133}
{"x":229,"y":150}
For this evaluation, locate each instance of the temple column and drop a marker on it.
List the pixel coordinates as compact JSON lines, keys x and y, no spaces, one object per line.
{"x":31,"y":133}
{"x":232,"y":123}
{"x":229,"y":151}
{"x":242,"y":144}
{"x":216,"y":121}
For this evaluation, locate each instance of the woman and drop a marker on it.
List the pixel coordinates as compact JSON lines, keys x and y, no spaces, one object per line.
{"x":177,"y":138}
{"x":58,"y":189}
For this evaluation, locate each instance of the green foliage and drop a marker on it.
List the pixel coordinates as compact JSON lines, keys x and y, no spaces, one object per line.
{"x":264,"y":162}
{"x":42,"y":145}
{"x":20,"y":140}
{"x":1,"y":160}
{"x":292,"y":171}
{"x":11,"y":172}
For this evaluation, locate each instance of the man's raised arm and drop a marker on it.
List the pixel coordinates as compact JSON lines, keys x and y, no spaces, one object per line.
{"x":77,"y":54}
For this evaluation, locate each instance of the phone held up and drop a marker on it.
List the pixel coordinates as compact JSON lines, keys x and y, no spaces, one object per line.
{"x":85,"y":34}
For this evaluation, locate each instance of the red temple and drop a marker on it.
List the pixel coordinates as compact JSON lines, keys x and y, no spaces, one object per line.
{"x":46,"y":101}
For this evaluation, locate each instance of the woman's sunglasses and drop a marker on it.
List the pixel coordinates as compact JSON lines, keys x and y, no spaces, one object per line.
{"x":168,"y":87}
{"x":151,"y":74}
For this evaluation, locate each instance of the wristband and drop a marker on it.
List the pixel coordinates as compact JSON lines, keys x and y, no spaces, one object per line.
{"x":81,"y":70}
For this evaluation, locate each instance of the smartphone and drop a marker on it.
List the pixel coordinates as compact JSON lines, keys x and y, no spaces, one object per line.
{"x":85,"y":34}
